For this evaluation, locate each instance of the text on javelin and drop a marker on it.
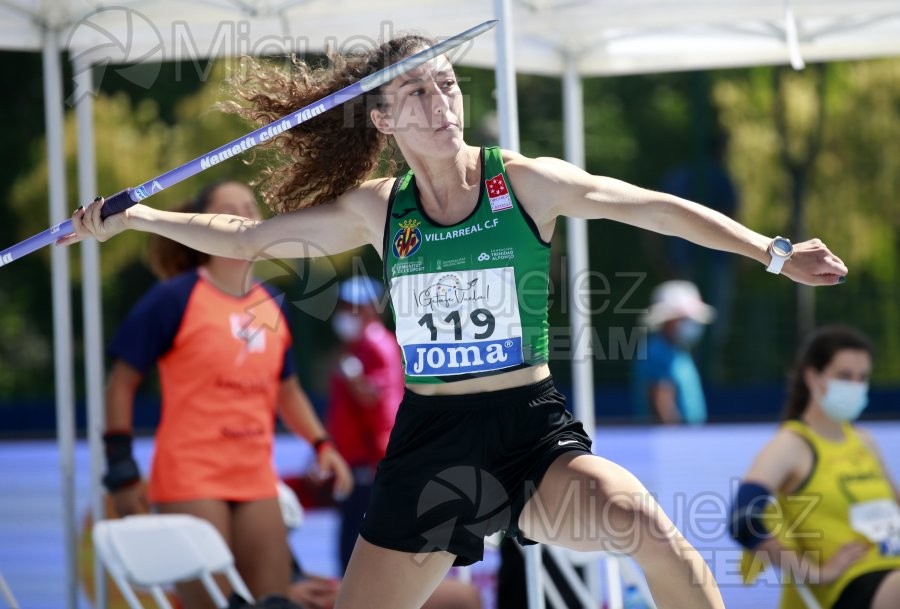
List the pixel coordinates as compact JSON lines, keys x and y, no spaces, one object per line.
{"x":268,"y":133}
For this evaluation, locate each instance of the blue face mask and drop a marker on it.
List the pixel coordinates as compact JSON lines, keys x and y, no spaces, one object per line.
{"x":688,"y":332}
{"x":844,"y":400}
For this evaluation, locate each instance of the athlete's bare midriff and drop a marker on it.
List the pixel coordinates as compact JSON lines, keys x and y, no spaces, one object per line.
{"x":507,"y":380}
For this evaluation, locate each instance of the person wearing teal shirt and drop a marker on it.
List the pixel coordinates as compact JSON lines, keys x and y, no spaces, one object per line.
{"x":665,"y":382}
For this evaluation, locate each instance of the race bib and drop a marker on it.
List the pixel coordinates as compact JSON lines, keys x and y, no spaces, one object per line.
{"x":879,"y":522}
{"x":459,"y":322}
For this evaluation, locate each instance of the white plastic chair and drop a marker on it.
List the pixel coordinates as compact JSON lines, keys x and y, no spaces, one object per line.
{"x":617,"y":570}
{"x":151,"y":551}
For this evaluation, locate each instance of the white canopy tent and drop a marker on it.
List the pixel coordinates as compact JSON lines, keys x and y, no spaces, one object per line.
{"x":606,"y":36}
{"x":568,"y":38}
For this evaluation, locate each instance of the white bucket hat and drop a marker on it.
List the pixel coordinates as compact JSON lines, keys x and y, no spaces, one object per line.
{"x":676,"y":299}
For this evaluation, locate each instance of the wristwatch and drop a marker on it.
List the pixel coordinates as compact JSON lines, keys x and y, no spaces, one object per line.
{"x":781,"y":249}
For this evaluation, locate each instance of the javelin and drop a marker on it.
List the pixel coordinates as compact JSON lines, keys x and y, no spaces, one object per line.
{"x":123,"y":200}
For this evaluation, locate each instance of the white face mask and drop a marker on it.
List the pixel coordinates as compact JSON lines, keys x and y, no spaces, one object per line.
{"x":347,"y":326}
{"x":844,"y":400}
{"x":688,"y":332}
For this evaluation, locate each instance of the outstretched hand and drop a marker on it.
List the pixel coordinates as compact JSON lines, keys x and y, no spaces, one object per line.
{"x":814,"y":264}
{"x":86,"y":223}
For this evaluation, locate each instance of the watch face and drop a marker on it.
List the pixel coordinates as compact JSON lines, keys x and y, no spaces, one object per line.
{"x":782,"y":247}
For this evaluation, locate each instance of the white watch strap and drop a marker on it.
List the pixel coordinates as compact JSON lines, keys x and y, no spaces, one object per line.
{"x":776,"y":264}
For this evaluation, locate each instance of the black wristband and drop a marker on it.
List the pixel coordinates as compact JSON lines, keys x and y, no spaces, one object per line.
{"x":121,"y":468}
{"x":321,"y":443}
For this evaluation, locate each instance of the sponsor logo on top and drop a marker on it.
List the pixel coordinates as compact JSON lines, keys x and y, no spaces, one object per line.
{"x":498,"y":193}
{"x":447,"y":359}
{"x":407,"y":240}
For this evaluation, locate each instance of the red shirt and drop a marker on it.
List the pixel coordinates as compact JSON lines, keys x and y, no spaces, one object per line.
{"x":361,"y":430}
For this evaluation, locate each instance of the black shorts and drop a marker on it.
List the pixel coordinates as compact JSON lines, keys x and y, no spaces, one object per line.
{"x":860,"y":592}
{"x":460,"y":468}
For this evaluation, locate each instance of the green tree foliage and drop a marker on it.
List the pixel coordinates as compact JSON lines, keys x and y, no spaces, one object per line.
{"x":129,"y":142}
{"x":850,"y":200}
{"x":129,"y":146}
{"x":636,"y":128}
{"x":132,"y":144}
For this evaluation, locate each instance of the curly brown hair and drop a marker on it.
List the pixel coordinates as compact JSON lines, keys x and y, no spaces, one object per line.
{"x":333,"y":152}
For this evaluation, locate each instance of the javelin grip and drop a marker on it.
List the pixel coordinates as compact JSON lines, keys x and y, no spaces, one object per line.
{"x":117,"y":203}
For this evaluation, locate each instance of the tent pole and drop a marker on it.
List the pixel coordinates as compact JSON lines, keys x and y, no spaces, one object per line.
{"x":508,"y":118}
{"x":505,"y":76}
{"x":62,"y":307}
{"x":91,"y":305}
{"x":792,"y":38}
{"x":534,"y":577}
{"x":579,"y":276}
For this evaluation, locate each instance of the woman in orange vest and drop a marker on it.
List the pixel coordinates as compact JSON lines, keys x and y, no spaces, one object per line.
{"x":222,"y":347}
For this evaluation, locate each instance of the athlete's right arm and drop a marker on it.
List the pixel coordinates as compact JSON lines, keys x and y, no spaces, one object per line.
{"x":352,"y":220}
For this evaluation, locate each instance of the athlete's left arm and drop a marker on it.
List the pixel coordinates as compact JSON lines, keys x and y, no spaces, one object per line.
{"x":870,"y":442}
{"x":549,"y":188}
{"x":299,"y":416}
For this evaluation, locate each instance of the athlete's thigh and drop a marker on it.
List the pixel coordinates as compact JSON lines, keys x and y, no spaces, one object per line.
{"x":378,"y":577}
{"x":259,"y":543}
{"x":586,"y":502}
{"x":888,"y":594}
{"x":192,"y":594}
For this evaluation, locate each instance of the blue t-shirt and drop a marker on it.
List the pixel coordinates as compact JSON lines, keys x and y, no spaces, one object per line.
{"x":670,"y":363}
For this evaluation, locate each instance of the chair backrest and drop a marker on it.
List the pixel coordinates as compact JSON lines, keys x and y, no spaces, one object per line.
{"x":156,"y":550}
{"x":159,"y":549}
{"x":216,"y":554}
{"x":618,"y":571}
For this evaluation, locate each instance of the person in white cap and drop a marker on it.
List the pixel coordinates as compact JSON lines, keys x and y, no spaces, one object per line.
{"x":665,"y":382}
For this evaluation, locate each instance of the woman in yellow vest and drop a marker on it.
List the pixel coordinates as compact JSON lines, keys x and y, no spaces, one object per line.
{"x":817,"y":501}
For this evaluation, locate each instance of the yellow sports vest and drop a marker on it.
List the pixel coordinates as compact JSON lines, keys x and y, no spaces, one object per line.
{"x":846,"y":497}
